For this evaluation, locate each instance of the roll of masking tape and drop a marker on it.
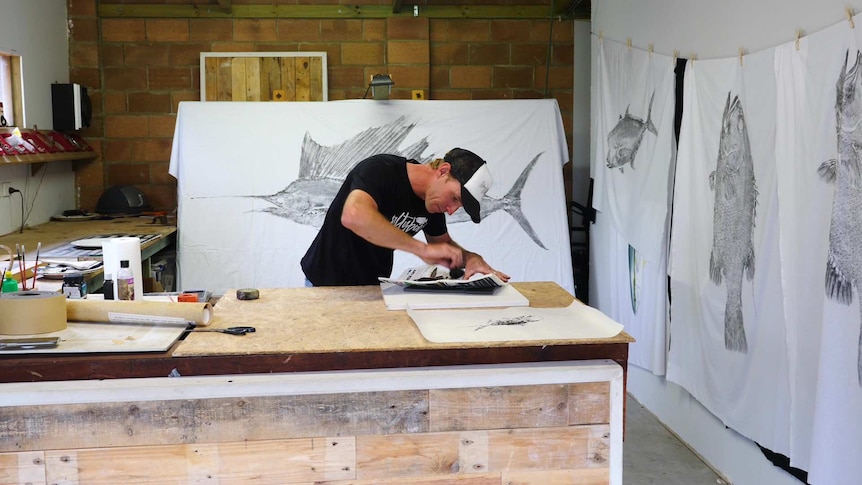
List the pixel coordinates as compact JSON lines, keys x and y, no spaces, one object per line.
{"x":247,"y":294}
{"x":29,"y":312}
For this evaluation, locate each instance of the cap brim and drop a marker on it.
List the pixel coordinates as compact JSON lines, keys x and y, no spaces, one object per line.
{"x":474,"y":191}
{"x":471,"y":205}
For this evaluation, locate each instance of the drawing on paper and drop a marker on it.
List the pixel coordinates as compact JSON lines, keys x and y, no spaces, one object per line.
{"x":322,"y":169}
{"x":844,"y":264}
{"x":733,"y":221}
{"x":520,"y":320}
{"x":625,"y":138}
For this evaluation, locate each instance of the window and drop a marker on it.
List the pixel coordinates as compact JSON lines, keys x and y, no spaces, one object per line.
{"x":10,"y":87}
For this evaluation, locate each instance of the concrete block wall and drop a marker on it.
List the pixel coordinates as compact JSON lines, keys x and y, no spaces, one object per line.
{"x":138,"y":70}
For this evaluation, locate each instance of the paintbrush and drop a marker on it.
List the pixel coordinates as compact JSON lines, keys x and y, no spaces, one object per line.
{"x":36,"y":264}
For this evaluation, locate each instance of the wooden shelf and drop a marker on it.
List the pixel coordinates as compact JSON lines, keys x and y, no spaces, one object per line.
{"x":52,"y":146}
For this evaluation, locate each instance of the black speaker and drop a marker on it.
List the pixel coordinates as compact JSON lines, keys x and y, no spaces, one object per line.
{"x":72,"y":108}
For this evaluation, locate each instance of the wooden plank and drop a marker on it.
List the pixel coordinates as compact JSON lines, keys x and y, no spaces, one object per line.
{"x":498,"y":407}
{"x":454,"y":453}
{"x":252,"y":79}
{"x":270,"y":77}
{"x":306,"y":460}
{"x":588,"y":476}
{"x":315,"y":79}
{"x":212,"y":78}
{"x":303,"y":78}
{"x":25,"y":467}
{"x":211,"y":420}
{"x":472,"y":479}
{"x":589,"y":403}
{"x":288,"y":78}
{"x":237,"y":79}
{"x":225,"y":83}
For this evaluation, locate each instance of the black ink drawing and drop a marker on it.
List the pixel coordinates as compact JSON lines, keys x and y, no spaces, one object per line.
{"x":733,"y":221}
{"x":322,"y":169}
{"x":625,"y":139}
{"x":520,"y":320}
{"x":844,"y":265}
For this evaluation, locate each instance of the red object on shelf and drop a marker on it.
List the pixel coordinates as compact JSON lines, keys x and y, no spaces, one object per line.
{"x":66,"y":143}
{"x":19,"y":149}
{"x":7,"y":148}
{"x":37,"y":141}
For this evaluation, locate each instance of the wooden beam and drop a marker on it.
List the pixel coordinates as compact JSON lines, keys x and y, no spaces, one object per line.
{"x":131,"y":10}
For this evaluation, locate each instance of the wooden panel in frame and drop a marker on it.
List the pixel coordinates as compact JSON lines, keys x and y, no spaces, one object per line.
{"x":269,"y":76}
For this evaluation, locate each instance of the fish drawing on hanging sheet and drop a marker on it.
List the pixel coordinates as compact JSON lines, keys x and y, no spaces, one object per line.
{"x":844,"y":263}
{"x":322,"y":170}
{"x":625,"y":139}
{"x":735,"y":209}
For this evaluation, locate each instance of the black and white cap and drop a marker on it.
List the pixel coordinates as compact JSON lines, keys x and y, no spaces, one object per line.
{"x":475,"y":177}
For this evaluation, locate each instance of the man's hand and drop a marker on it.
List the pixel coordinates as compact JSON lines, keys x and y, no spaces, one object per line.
{"x":476,"y":264}
{"x":443,"y":254}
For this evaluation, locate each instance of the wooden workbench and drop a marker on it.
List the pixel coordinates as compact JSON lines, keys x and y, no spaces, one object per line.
{"x":331,"y":388}
{"x":54,"y":234}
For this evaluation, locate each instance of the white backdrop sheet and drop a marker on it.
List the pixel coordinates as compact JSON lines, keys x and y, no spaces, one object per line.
{"x":231,"y":158}
{"x":635,"y":88}
{"x":823,"y":335}
{"x":747,"y":389}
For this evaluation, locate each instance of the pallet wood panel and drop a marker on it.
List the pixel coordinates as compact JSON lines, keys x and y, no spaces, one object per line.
{"x":263,"y":77}
{"x":590,"y":476}
{"x":211,"y":420}
{"x":26,"y":467}
{"x":589,"y":403}
{"x":499,"y":407}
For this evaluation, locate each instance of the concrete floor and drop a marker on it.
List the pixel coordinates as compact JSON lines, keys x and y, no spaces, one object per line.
{"x":652,"y":455}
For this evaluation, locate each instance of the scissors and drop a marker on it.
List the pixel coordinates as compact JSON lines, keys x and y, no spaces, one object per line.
{"x":229,"y":330}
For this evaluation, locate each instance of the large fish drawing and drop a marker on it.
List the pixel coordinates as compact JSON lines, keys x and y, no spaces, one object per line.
{"x":625,"y":139}
{"x":322,"y":170}
{"x":733,"y":220}
{"x":844,"y":264}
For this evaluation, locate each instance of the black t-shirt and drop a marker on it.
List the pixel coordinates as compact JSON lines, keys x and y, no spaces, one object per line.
{"x":337,"y":256}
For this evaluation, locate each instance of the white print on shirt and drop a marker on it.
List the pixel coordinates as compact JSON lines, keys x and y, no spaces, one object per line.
{"x":408,"y":223}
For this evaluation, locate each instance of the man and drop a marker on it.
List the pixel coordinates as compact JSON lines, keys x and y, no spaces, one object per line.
{"x":384,"y":201}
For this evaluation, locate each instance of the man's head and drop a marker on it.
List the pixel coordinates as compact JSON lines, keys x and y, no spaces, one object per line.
{"x":472,"y":172}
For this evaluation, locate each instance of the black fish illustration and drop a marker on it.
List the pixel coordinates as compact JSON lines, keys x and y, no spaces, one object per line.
{"x":625,"y":139}
{"x":844,"y":265}
{"x":323,"y":169}
{"x":733,"y":221}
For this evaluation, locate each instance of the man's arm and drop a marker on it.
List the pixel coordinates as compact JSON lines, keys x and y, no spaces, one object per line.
{"x":473,"y":262}
{"x":361,"y":215}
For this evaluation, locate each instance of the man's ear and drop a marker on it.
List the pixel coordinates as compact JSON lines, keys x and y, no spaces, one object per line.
{"x":444,"y":168}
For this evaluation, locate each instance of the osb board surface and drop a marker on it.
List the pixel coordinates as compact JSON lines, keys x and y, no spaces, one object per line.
{"x":55,"y":233}
{"x":341,"y":319}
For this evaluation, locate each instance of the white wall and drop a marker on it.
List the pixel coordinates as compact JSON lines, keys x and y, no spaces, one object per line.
{"x":714,"y":29}
{"x":37,"y":31}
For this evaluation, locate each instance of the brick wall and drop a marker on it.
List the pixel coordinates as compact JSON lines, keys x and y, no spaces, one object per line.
{"x":137,"y":70}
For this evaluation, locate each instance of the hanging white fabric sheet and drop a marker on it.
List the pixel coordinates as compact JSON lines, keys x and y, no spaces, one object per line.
{"x":633,"y":291}
{"x":632,"y":167}
{"x":234,"y":162}
{"x":727,"y":337}
{"x":633,"y":143}
{"x":823,"y":334}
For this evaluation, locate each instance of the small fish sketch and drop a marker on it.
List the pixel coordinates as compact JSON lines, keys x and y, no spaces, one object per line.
{"x":322,"y":170}
{"x":505,"y":322}
{"x":625,"y":139}
{"x":844,"y":264}
{"x":733,"y":221}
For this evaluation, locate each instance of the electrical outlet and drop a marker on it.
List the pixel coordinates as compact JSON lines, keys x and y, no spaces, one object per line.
{"x":4,"y":189}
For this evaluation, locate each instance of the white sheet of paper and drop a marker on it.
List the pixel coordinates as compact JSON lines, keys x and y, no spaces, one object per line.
{"x":397,"y":298}
{"x":577,"y":321}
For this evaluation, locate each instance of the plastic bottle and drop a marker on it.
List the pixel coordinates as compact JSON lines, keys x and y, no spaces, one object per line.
{"x":9,"y":284}
{"x":108,"y":287}
{"x":125,"y":282}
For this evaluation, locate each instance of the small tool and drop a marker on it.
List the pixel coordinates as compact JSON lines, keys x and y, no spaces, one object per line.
{"x":229,"y":330}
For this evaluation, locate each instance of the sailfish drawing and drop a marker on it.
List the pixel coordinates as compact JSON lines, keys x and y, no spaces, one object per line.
{"x":322,"y":170}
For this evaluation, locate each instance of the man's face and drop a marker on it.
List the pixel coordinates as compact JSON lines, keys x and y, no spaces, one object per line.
{"x":444,"y":193}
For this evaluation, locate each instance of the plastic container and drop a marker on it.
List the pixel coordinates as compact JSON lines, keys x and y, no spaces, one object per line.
{"x":125,"y":282}
{"x":9,"y":284}
{"x":108,"y":287}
